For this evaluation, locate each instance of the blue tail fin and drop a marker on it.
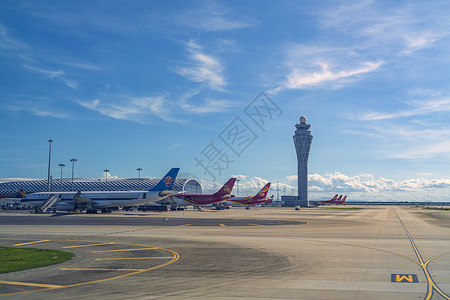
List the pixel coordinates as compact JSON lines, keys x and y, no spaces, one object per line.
{"x":167,"y":181}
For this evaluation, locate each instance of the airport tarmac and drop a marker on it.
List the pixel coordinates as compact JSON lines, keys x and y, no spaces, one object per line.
{"x":372,"y":252}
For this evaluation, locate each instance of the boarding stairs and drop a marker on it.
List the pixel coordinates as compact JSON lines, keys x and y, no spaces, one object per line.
{"x":49,"y":203}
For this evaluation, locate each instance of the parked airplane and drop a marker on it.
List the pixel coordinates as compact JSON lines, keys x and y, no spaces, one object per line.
{"x":259,"y":198}
{"x":91,"y":201}
{"x":268,"y":200}
{"x":198,"y":200}
{"x":331,"y":201}
{"x":5,"y":201}
{"x":343,"y":200}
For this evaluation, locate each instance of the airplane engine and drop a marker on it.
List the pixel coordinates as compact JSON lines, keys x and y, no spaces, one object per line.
{"x":65,"y":206}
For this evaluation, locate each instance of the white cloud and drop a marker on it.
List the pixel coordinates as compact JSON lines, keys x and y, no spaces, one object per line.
{"x":207,"y":106}
{"x":425,"y":151}
{"x":59,"y":74}
{"x":7,"y":42}
{"x":109,"y":176}
{"x":210,"y":17}
{"x":421,"y":108}
{"x":203,"y":68}
{"x":137,"y":110}
{"x":367,"y":187}
{"x":36,"y":108}
{"x":301,"y":79}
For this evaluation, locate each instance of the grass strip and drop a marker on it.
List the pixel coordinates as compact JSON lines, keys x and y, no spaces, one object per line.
{"x":18,"y":259}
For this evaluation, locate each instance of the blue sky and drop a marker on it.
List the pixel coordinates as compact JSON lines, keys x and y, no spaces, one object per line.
{"x":157,"y":84}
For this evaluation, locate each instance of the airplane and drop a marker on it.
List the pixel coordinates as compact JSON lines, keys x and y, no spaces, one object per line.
{"x":268,"y":200}
{"x":331,"y":201}
{"x":198,"y":200}
{"x":4,"y":201}
{"x":91,"y":201}
{"x":343,"y":200}
{"x":259,"y":198}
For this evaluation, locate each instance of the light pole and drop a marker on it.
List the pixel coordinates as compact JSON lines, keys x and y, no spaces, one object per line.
{"x":60,"y":182}
{"x":106,"y":174}
{"x":284,"y":191}
{"x":72,"y":160}
{"x":49,"y":160}
{"x":237,"y":181}
{"x":139,"y":172}
{"x":278,"y":198}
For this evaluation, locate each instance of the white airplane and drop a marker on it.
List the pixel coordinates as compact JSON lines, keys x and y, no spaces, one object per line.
{"x":93,"y":200}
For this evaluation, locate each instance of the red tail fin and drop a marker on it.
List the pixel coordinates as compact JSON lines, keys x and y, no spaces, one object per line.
{"x":263,"y":192}
{"x":22,"y":194}
{"x":227,"y":187}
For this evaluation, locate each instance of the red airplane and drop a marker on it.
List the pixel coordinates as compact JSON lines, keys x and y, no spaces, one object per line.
{"x":331,"y":201}
{"x":342,"y":201}
{"x":259,"y":198}
{"x":202,"y":200}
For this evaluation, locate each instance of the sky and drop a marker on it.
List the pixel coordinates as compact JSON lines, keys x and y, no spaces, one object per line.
{"x":216,"y":88}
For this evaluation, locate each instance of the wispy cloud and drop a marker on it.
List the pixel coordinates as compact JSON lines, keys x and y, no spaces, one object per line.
{"x":7,"y":42}
{"x":202,"y":68}
{"x":37,"y":109}
{"x":421,"y":108}
{"x":210,"y":17}
{"x":52,"y":74}
{"x":139,"y":110}
{"x":400,"y":29}
{"x":422,"y":151}
{"x":301,"y":79}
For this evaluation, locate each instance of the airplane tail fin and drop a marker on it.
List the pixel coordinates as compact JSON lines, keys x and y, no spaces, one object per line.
{"x":338,"y":200}
{"x":167,"y":181}
{"x":334,"y":198}
{"x":343,"y":200}
{"x":22,"y":194}
{"x":227,"y":187}
{"x":263,"y":192}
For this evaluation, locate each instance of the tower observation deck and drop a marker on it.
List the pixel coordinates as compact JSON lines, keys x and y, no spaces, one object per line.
{"x":302,"y":142}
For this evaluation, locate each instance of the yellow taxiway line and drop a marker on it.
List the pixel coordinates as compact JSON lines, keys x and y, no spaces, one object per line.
{"x":89,"y":245}
{"x":120,"y":250}
{"x":34,"y":242}
{"x":98,"y":269}
{"x":53,"y":286}
{"x":151,"y":257}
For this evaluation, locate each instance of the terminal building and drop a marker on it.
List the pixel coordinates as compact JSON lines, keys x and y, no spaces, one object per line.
{"x":12,"y":189}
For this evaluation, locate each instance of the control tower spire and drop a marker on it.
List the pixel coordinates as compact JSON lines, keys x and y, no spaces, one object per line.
{"x":302,"y":142}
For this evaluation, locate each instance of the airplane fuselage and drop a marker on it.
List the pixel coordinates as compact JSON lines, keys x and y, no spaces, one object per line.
{"x":198,"y":200}
{"x":97,"y":199}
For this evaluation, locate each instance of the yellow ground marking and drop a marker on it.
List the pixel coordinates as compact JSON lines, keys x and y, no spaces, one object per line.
{"x":53,"y":286}
{"x":120,"y":250}
{"x":432,"y":286}
{"x":150,"y":257}
{"x":98,"y":269}
{"x":34,"y":242}
{"x":255,"y":224}
{"x":174,"y":259}
{"x":223,"y":225}
{"x":186,"y":225}
{"x":89,"y":245}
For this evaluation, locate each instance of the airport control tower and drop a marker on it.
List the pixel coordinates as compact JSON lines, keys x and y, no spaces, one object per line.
{"x":302,"y":142}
